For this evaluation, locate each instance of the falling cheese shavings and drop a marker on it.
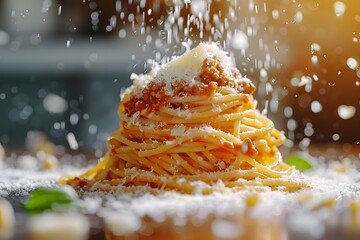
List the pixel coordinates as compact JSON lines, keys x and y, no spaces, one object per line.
{"x":55,"y":104}
{"x":339,"y":8}
{"x":70,"y":137}
{"x":316,"y":107}
{"x":239,"y":41}
{"x":304,"y":80}
{"x":346,"y":112}
{"x":352,"y":63}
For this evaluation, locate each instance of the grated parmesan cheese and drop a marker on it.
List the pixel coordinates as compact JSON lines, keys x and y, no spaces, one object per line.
{"x":178,"y":131}
{"x":134,"y":119}
{"x":188,"y":65}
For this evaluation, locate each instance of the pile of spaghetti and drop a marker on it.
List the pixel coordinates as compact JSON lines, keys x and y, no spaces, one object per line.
{"x":191,"y":125}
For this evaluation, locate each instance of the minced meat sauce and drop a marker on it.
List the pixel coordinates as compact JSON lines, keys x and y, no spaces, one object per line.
{"x":211,"y":76}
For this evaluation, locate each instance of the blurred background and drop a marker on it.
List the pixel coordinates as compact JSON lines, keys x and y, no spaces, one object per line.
{"x":64,"y":63}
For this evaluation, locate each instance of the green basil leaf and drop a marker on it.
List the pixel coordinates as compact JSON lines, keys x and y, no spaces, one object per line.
{"x":299,"y":162}
{"x":42,"y":199}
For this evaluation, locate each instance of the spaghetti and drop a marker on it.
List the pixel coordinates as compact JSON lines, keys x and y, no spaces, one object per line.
{"x":192,"y":126}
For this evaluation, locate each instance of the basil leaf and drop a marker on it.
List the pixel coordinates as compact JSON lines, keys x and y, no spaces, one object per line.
{"x":299,"y":162}
{"x":42,"y":199}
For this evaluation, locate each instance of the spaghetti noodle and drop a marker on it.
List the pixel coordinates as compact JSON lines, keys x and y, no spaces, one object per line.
{"x":192,"y":126}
